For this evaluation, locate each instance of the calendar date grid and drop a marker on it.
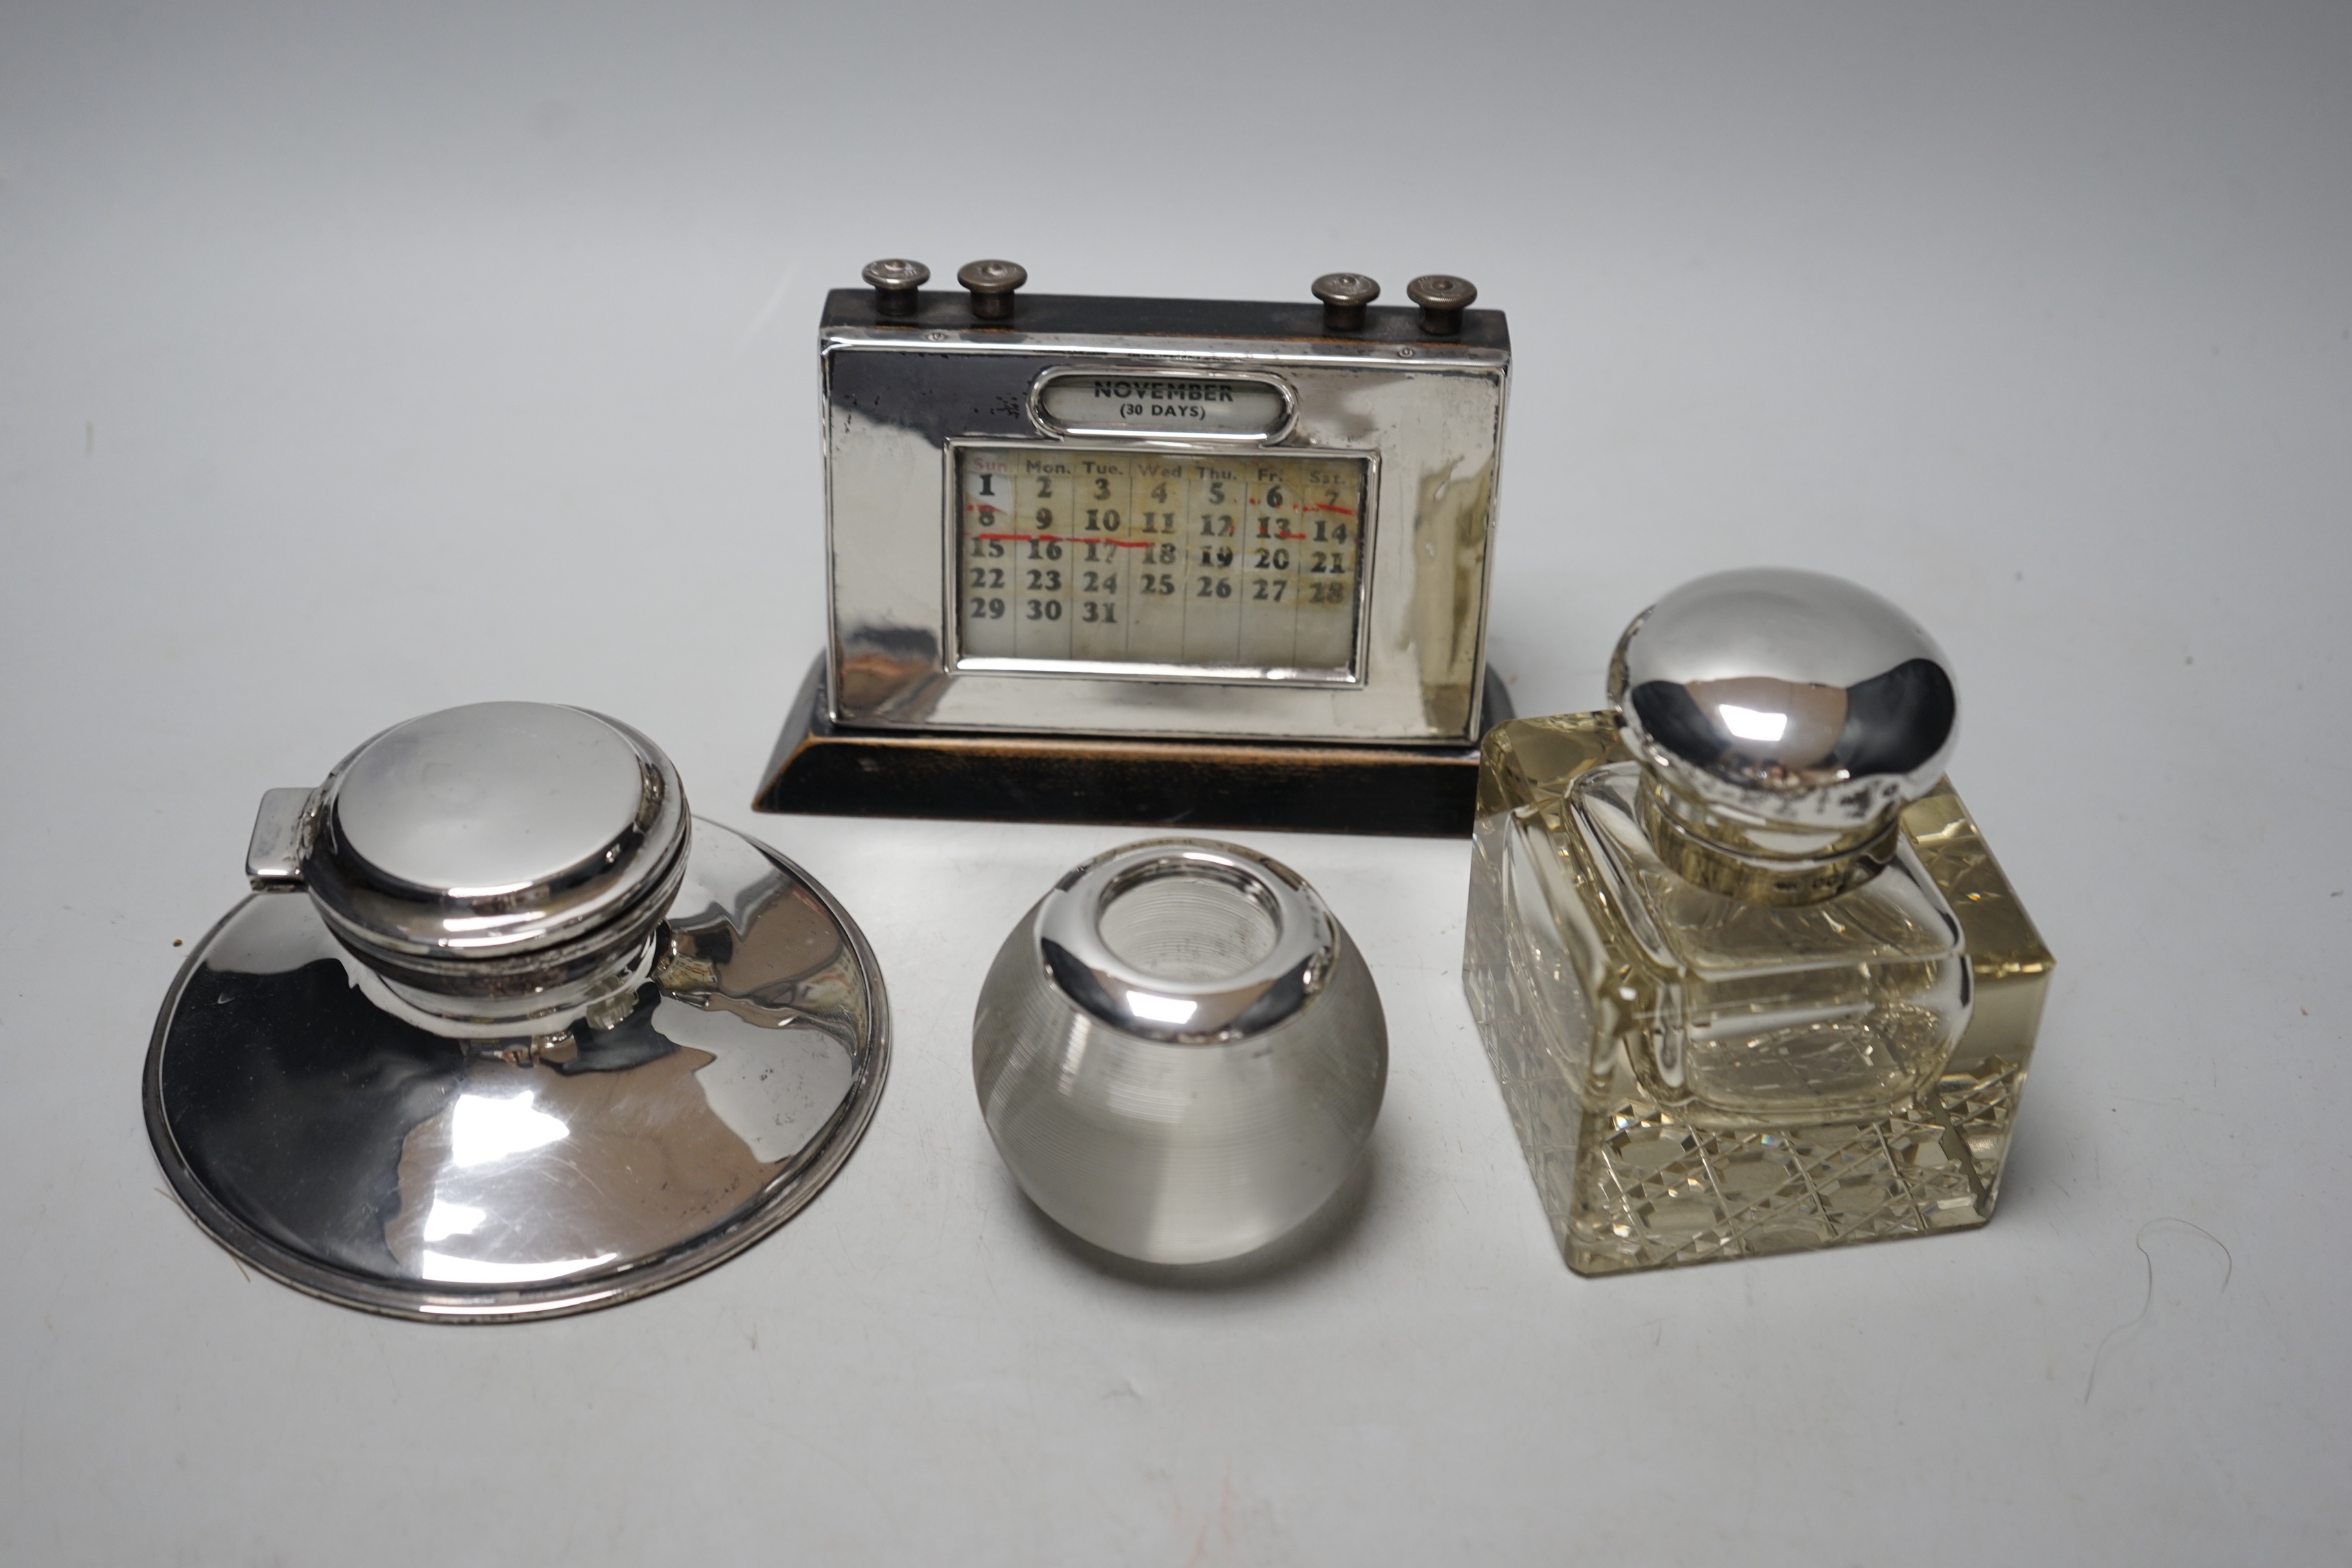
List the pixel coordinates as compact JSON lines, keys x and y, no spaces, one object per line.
{"x":1119,"y":557}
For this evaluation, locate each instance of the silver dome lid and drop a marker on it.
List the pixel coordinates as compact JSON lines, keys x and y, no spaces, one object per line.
{"x":1779,"y":701}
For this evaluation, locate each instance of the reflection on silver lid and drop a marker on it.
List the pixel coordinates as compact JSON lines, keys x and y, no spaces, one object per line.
{"x":486,"y":800}
{"x":498,"y":854}
{"x":1788,"y":699}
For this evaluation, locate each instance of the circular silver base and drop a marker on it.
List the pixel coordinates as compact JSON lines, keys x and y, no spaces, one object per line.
{"x":320,"y":1130}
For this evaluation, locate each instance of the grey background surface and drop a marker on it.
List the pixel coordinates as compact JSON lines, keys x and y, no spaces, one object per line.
{"x":357,"y":361}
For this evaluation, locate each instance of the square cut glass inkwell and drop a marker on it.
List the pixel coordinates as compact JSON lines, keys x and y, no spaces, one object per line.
{"x":1747,"y":972}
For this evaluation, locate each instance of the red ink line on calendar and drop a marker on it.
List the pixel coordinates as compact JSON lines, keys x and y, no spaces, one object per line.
{"x":1065,"y":539}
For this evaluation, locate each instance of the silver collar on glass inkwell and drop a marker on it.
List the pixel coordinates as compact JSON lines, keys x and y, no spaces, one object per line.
{"x":505,"y":1033}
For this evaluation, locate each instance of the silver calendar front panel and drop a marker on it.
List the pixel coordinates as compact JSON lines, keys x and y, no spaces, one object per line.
{"x":1287,"y":537}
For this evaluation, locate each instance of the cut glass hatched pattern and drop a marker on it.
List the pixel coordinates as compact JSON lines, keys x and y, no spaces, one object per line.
{"x":1638,"y":1174}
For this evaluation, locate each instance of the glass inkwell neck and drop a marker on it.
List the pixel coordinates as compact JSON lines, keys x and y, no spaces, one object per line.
{"x":1782,"y":720}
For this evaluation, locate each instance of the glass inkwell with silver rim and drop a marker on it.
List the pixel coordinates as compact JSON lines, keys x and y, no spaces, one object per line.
{"x":504,"y":1033}
{"x":1180,"y":1052}
{"x":1748,"y":975}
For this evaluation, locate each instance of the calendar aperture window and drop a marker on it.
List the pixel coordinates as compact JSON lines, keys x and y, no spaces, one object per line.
{"x":1139,"y":560}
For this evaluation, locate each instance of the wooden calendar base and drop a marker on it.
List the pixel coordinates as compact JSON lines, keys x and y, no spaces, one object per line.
{"x":828,"y":770}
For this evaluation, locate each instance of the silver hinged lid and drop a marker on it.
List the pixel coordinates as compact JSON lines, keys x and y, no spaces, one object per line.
{"x":493,"y":849}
